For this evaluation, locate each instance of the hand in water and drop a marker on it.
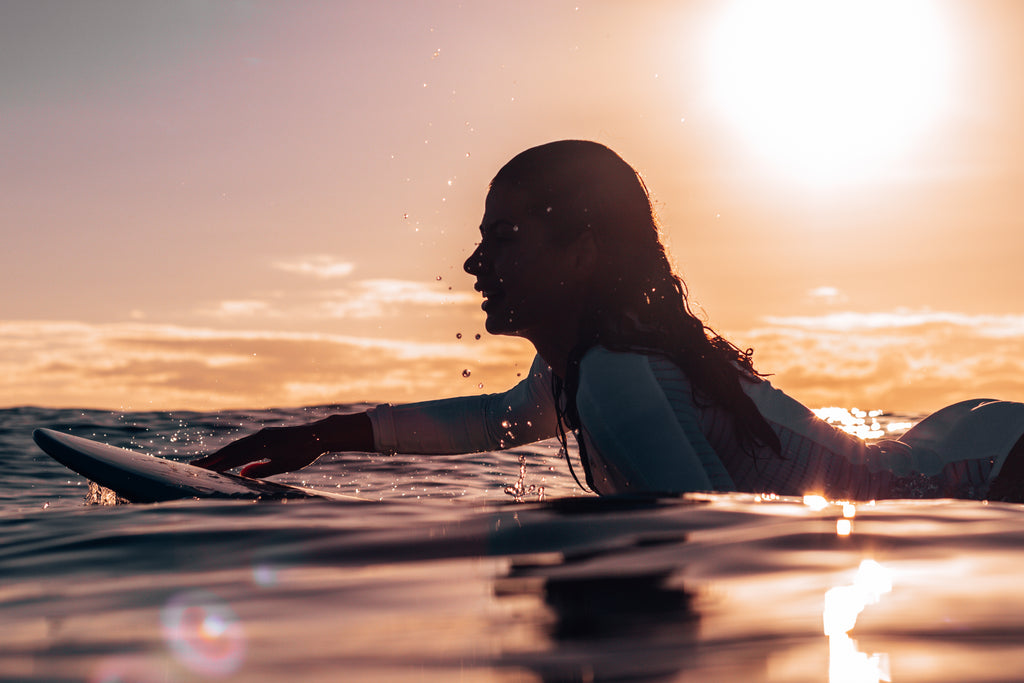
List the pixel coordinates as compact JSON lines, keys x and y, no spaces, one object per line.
{"x":284,"y":449}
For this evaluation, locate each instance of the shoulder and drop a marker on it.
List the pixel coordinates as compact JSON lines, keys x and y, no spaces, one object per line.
{"x":600,"y":356}
{"x":628,"y":372}
{"x":601,"y":361}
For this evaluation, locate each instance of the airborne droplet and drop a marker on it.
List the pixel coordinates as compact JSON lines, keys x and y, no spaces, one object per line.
{"x":466,"y":373}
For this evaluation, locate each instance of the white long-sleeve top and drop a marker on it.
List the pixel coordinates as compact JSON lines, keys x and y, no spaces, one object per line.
{"x":647,"y":432}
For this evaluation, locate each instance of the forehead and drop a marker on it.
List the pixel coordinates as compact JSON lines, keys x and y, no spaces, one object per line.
{"x":506,"y":205}
{"x":519,"y":204}
{"x":504,"y":199}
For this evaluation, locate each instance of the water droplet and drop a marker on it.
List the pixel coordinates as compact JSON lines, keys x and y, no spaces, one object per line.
{"x":477,"y":337}
{"x":480,"y":386}
{"x":438,"y":278}
{"x":405,"y":216}
{"x":505,"y":424}
{"x":466,"y":373}
{"x":549,"y":209}
{"x":458,"y":335}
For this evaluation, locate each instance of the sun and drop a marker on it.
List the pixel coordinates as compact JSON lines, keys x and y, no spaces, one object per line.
{"x":828,"y":90}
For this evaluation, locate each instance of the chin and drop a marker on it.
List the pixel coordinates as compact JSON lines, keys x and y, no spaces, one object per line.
{"x":500,"y":325}
{"x":495,"y":327}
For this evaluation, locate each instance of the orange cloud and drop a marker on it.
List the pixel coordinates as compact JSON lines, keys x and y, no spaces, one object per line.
{"x":375,"y":298}
{"x":321,"y":266}
{"x":363,"y":299}
{"x":138,"y":366}
{"x":896,"y":361}
{"x":900,"y":362}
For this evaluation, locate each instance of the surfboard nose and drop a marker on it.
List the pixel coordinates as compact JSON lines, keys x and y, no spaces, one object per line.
{"x":43,"y":436}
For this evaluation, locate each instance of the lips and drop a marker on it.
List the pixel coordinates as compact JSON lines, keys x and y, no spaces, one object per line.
{"x":491,"y":294}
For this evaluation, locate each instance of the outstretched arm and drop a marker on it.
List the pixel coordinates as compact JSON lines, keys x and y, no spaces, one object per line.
{"x":282,"y":449}
{"x":468,"y":424}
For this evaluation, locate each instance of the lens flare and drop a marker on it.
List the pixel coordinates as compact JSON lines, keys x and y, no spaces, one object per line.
{"x":203,"y":633}
{"x":129,"y":669}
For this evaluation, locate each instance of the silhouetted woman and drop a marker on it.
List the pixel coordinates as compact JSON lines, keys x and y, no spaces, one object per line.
{"x":571,"y":258}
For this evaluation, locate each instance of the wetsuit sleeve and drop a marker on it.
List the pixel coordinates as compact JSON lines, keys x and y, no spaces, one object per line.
{"x":469,"y":424}
{"x":634,"y":428}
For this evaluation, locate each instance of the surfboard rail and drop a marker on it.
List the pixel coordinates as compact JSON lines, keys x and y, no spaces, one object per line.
{"x":142,"y":478}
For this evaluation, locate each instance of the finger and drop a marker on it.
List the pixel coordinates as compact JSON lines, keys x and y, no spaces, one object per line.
{"x":216,"y":462}
{"x":258,"y":470}
{"x":225,"y":459}
{"x":207,"y":461}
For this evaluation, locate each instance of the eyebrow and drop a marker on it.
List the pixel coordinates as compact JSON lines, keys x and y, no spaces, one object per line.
{"x":495,"y":224}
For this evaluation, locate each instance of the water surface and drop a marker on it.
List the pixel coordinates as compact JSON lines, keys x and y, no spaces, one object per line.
{"x":440,"y":575}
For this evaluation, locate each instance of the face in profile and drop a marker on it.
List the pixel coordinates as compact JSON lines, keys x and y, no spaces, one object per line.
{"x":527,"y":281}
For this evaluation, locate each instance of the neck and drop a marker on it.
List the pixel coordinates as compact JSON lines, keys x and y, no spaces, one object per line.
{"x":556,"y":339}
{"x":554,"y":354}
{"x":556,"y":346}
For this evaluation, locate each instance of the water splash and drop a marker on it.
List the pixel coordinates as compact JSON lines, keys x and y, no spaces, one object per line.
{"x":519,"y":491}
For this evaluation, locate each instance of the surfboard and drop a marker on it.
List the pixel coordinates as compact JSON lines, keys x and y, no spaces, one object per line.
{"x":142,"y":478}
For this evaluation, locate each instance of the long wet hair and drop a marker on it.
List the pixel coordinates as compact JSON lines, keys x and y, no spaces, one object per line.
{"x":638,"y":303}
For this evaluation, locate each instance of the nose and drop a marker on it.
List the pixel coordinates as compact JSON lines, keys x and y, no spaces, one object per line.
{"x":475,"y":264}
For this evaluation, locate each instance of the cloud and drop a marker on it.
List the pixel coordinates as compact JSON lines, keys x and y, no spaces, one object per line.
{"x":375,"y":298}
{"x":139,"y":366}
{"x":913,"y":361}
{"x":987,"y":325}
{"x":321,"y":266}
{"x":827,"y":295}
{"x":241,"y":308}
{"x":364,"y":299}
{"x":902,"y":362}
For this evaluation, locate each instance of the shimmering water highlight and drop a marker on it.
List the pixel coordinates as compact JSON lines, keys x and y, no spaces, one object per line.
{"x":441,"y":576}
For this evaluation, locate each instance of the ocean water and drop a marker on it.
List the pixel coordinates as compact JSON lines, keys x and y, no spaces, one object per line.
{"x":491,"y":567}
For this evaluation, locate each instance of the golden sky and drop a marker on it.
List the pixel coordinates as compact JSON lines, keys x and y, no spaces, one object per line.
{"x":250,"y":204}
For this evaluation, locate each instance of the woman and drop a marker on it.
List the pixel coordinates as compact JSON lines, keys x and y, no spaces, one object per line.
{"x":571,"y":259}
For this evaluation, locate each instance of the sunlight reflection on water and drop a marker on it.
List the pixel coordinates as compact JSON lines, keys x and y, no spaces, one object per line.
{"x":461,"y":583}
{"x":861,"y":423}
{"x":843,"y":604}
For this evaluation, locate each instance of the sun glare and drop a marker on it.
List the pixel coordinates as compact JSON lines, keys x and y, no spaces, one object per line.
{"x":827,"y":89}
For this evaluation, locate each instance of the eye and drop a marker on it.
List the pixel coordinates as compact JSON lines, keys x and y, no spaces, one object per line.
{"x":504,"y":231}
